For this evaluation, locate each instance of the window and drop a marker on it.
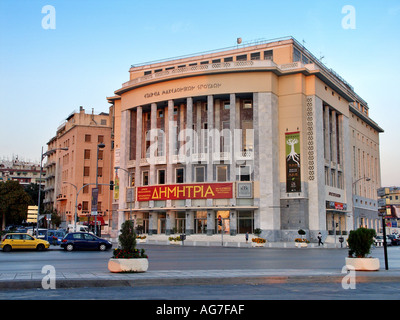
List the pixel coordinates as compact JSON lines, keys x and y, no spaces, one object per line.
{"x":222,"y":173}
{"x":147,"y":73}
{"x":145,"y":178}
{"x":255,"y":56}
{"x":88,"y":137}
{"x":242,"y":57}
{"x":86,"y":171}
{"x":199,"y":174}
{"x":85,"y":205}
{"x":179,"y":174}
{"x":204,"y":62}
{"x":100,"y":155}
{"x":229,"y":59}
{"x":161,"y":176}
{"x":103,"y":122}
{"x":227,"y":105}
{"x":216,"y":61}
{"x":85,"y":189}
{"x":244,"y":173}
{"x":87,"y":154}
{"x":99,"y":171}
{"x":100,"y":139}
{"x":268,"y":55}
{"x":161,"y":113}
{"x":247,"y":104}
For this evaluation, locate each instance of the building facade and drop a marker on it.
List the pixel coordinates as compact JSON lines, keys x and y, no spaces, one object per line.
{"x":257,"y":136}
{"x":71,"y":174}
{"x":25,"y":172}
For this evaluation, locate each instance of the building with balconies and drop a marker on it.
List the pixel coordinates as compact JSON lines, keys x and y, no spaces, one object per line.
{"x":260,"y":135}
{"x":71,"y":174}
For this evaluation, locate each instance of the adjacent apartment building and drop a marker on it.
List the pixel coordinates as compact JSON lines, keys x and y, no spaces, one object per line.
{"x":71,"y":174}
{"x":260,"y":135}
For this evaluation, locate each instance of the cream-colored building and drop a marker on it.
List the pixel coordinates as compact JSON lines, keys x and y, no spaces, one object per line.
{"x":71,"y":174}
{"x":260,"y":135}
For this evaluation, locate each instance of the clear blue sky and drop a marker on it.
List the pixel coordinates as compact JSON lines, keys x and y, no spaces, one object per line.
{"x":45,"y":74}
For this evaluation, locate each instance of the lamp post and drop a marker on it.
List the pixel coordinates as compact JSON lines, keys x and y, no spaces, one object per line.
{"x":130,"y":177}
{"x":355,"y":192}
{"x":99,"y":146}
{"x":42,"y":155}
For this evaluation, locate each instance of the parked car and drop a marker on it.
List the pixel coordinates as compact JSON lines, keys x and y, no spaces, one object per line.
{"x":378,"y":241}
{"x":55,"y":236}
{"x":12,"y":241}
{"x":84,"y":241}
{"x":395,"y":241}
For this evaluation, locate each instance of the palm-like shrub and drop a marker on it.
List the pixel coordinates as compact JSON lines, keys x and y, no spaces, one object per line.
{"x":360,"y":242}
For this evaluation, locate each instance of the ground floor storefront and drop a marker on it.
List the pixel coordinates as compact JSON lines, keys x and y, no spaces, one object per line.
{"x":203,"y":221}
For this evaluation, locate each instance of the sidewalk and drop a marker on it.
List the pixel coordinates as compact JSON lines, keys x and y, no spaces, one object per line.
{"x":31,"y":280}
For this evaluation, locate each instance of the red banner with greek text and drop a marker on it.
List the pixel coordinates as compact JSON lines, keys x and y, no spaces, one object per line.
{"x":185,"y":191}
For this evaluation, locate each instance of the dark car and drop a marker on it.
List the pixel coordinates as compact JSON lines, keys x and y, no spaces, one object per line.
{"x":395,"y":240}
{"x":84,"y":241}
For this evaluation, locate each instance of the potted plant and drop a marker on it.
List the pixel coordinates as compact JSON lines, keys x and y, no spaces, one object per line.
{"x":127,"y":258}
{"x":360,"y":242}
{"x":175,"y":240}
{"x":141,"y":239}
{"x":258,"y":241}
{"x":301,"y":242}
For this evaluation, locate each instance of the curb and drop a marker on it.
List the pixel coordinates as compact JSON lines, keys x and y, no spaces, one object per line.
{"x":196,"y":280}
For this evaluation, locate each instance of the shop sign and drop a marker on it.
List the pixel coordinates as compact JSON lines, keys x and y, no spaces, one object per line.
{"x":185,"y":191}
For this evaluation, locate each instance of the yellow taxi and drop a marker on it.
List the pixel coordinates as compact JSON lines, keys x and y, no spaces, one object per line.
{"x":13,"y":241}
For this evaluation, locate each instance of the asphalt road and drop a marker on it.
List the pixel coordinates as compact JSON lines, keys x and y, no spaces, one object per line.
{"x":190,"y":258}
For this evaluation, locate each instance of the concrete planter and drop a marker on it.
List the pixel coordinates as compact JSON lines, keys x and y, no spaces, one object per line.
{"x":301,"y":244}
{"x":179,"y":243}
{"x":141,"y":240}
{"x":363,"y":264}
{"x":256,"y":244}
{"x":128,"y":265}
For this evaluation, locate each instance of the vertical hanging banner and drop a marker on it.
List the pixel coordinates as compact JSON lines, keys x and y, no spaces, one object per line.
{"x":293,"y":179}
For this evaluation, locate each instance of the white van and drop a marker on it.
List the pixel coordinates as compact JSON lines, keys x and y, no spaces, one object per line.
{"x":79,"y":228}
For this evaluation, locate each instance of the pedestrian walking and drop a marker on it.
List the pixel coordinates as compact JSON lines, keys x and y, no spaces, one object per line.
{"x":247,"y":237}
{"x":320,"y":239}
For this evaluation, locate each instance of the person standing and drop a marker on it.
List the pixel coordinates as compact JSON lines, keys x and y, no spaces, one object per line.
{"x":247,"y":237}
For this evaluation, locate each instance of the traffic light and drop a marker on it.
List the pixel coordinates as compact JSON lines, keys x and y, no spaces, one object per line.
{"x":112,"y":185}
{"x":219,"y":220}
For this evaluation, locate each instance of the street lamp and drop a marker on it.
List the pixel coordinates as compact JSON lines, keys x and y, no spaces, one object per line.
{"x":355,"y":192}
{"x":130,"y":177}
{"x":42,"y":155}
{"x":99,"y":146}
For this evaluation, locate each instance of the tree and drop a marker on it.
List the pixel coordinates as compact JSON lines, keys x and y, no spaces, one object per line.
{"x":127,"y":238}
{"x":14,"y":202}
{"x":293,"y":155}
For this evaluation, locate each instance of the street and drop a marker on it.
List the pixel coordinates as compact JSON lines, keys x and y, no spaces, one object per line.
{"x":163,"y":257}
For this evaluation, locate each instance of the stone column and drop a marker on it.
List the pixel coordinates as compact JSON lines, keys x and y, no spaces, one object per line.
{"x":266,"y":164}
{"x":315,"y":170}
{"x":124,"y":156}
{"x":189,"y":221}
{"x":210,"y":137}
{"x":233,"y":222}
{"x":139,"y":119}
{"x":210,"y":222}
